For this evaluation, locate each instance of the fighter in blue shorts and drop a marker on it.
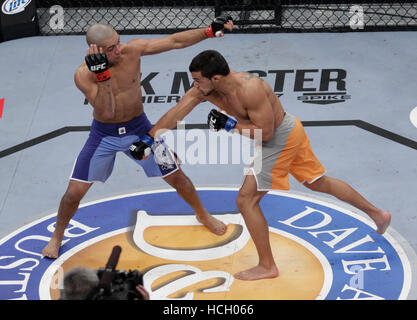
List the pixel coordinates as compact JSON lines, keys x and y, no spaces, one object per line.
{"x":96,"y":160}
{"x":110,"y":80}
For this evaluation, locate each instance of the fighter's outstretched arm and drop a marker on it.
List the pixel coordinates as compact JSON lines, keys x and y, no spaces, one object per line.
{"x":183,"y":39}
{"x":170,"y":119}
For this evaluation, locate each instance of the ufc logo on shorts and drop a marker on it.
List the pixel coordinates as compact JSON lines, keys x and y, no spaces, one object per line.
{"x":212,"y":123}
{"x":98,"y":67}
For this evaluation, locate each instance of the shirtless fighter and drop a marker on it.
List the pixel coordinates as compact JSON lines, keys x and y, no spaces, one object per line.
{"x":110,"y":80}
{"x":285,"y":147}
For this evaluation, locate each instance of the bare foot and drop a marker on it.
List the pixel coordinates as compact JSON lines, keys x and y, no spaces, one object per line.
{"x":382,"y":221}
{"x":257,"y":273}
{"x":51,"y":250}
{"x":213,"y":224}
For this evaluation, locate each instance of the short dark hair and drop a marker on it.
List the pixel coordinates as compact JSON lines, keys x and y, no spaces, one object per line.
{"x":78,"y":283}
{"x":209,"y":63}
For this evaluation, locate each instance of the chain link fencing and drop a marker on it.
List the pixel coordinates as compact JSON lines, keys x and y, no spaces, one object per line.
{"x":250,"y":16}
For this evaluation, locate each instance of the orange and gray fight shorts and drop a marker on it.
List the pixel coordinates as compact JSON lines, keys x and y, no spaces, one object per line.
{"x":289,"y":151}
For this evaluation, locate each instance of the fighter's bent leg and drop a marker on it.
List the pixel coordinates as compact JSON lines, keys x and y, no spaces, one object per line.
{"x":187,"y":191}
{"x":67,"y":208}
{"x":346,"y":193}
{"x":247,"y":202}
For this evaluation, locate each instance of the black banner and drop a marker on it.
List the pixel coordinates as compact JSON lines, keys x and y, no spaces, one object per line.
{"x":18,"y":19}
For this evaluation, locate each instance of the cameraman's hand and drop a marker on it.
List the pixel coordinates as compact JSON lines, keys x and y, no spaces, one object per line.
{"x":141,"y":289}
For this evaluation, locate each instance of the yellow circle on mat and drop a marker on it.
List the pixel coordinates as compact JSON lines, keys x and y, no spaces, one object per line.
{"x":301,"y":274}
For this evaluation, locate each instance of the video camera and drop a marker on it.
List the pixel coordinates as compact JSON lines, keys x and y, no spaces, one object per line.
{"x":116,"y":284}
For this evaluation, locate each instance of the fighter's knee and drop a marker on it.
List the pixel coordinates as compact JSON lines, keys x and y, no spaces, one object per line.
{"x":318,"y":185}
{"x":70,"y":199}
{"x":178,"y":180}
{"x":72,"y":196}
{"x":240,"y":202}
{"x":244,"y":201}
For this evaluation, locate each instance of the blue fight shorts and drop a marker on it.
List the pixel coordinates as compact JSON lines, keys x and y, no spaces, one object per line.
{"x":96,"y":160}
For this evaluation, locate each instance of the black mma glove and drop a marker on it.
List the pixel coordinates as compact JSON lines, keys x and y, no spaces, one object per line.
{"x":98,"y":64}
{"x":217,"y":121}
{"x":217,"y":25}
{"x":142,"y":148}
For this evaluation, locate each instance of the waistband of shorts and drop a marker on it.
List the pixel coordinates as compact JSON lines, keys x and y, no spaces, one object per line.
{"x":287,"y":123}
{"x":287,"y":120}
{"x":123,"y":128}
